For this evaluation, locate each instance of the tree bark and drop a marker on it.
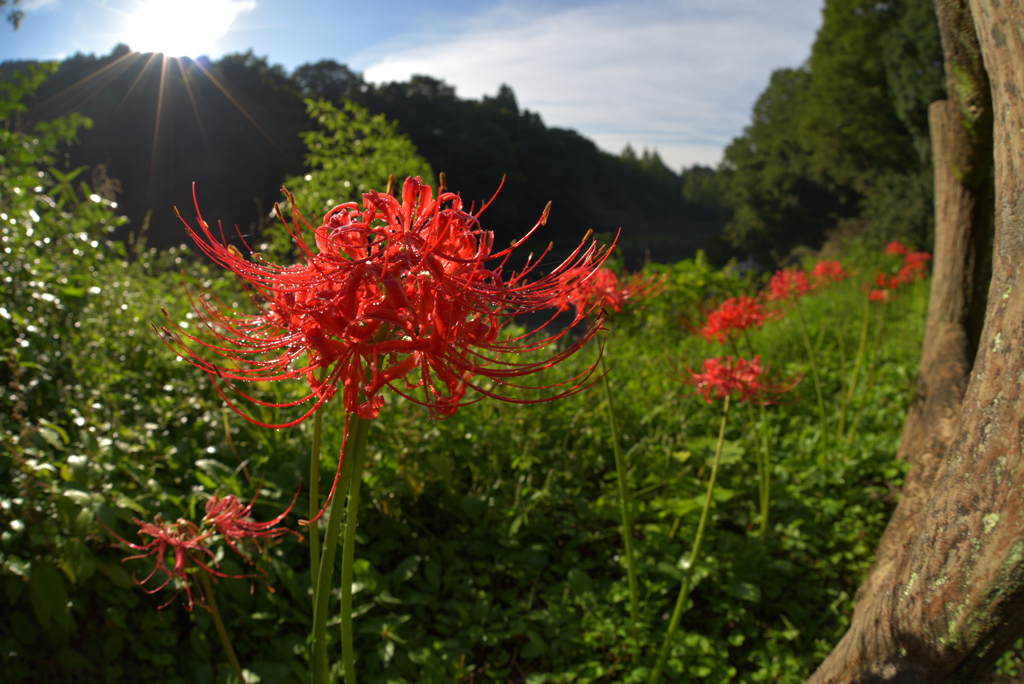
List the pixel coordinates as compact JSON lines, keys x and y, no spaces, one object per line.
{"x":944,"y":605}
{"x":961,"y":137}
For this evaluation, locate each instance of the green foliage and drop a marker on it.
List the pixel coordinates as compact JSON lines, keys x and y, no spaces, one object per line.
{"x":766,"y":177}
{"x":849,"y":125}
{"x":15,"y":16}
{"x":701,"y":188}
{"x":352,"y":151}
{"x":912,"y":52}
{"x":487,"y":543}
{"x":900,"y":207}
{"x":844,"y":137}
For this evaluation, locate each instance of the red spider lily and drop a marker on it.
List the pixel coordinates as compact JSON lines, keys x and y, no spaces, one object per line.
{"x":739,"y":378}
{"x":828,"y":271}
{"x":913,"y":268}
{"x":732,"y":317}
{"x":896,"y":248}
{"x":915,"y":262}
{"x":886,"y":281}
{"x":587,"y":290}
{"x":187,"y":544}
{"x":878,"y":295}
{"x":232,"y":521}
{"x":404,"y":294}
{"x":787,"y":283}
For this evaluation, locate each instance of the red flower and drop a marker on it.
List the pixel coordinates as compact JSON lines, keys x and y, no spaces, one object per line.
{"x":405,"y":294}
{"x":744,"y":380}
{"x":886,"y":281}
{"x":189,"y":553}
{"x":915,"y":263}
{"x":828,"y":271}
{"x":733,"y":316}
{"x":587,"y":290}
{"x":189,"y":544}
{"x":896,"y":248}
{"x":231,"y":520}
{"x":878,"y":295}
{"x":787,"y":283}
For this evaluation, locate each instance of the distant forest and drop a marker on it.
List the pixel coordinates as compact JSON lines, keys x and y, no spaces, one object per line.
{"x":232,"y":126}
{"x":837,"y":146}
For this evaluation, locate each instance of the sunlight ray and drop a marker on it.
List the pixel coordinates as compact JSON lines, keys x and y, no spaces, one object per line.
{"x":191,"y":98}
{"x":131,"y":88}
{"x":90,"y":83}
{"x":156,"y":122}
{"x":242,"y":109}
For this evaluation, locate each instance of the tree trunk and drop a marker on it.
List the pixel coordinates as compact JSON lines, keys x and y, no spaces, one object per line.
{"x":946,"y":597}
{"x":961,"y":133}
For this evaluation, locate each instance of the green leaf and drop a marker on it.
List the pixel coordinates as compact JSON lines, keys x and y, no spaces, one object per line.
{"x":746,"y":591}
{"x":117,"y":575}
{"x":17,"y":566}
{"x":51,"y":437}
{"x":405,"y":570}
{"x":681,"y":507}
{"x":200,"y":644}
{"x":49,"y":596}
{"x":670,"y":570}
{"x":112,"y":646}
{"x":131,"y":504}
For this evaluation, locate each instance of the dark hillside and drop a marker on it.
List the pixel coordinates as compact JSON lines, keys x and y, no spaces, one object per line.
{"x":231,"y":126}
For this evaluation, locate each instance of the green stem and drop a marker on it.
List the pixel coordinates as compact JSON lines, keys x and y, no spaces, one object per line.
{"x":211,"y":601}
{"x":314,"y":499}
{"x":694,"y":554}
{"x":348,"y":553}
{"x":861,"y":346}
{"x":354,"y":442}
{"x":871,"y":375}
{"x":841,"y":336}
{"x":823,"y":460}
{"x":627,"y":520}
{"x":764,"y":456}
{"x":752,"y":421}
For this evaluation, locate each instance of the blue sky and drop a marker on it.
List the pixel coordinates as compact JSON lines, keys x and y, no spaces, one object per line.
{"x":679,"y":76}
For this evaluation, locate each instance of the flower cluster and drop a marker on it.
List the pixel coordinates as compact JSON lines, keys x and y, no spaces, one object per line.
{"x":187,"y":546}
{"x":737,"y":314}
{"x":828,"y":271}
{"x":182,"y":548}
{"x":601,"y":291}
{"x":732,"y":317}
{"x":232,"y":520}
{"x":401,"y":294}
{"x":738,"y":378}
{"x":786,"y":284}
{"x":914,"y":267}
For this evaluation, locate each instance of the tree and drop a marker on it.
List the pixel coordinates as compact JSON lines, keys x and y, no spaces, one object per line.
{"x":849,"y":124}
{"x":15,"y":16}
{"x":328,"y":80}
{"x":766,"y":178}
{"x":352,"y":151}
{"x":842,"y":137}
{"x":942,"y":602}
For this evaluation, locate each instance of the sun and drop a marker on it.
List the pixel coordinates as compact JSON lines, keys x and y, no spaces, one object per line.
{"x":181,"y":28}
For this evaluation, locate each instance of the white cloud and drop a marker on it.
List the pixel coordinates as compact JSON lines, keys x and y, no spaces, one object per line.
{"x":676,"y":75}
